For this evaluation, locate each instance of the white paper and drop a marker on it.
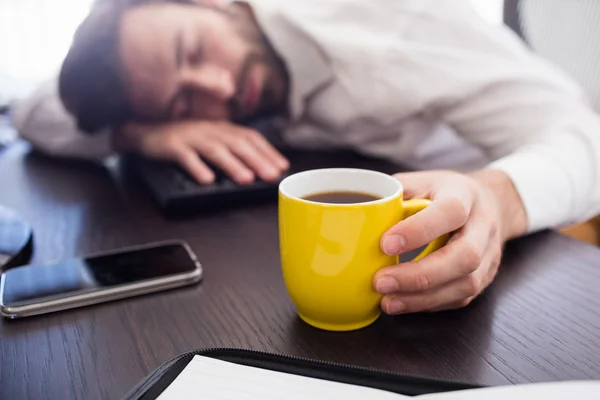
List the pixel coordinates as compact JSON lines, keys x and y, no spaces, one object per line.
{"x":209,"y":379}
{"x":571,"y":390}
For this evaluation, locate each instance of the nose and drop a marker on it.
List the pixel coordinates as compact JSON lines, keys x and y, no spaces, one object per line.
{"x":213,"y":81}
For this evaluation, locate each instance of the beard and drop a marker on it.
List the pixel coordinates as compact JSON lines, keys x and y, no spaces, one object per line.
{"x":272,"y":98}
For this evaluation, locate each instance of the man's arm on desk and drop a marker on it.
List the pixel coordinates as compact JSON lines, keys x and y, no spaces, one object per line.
{"x":242,"y":153}
{"x":532,"y":120}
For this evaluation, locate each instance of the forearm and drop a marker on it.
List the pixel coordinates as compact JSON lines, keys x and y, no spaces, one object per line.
{"x":547,"y":141}
{"x":528,"y":117}
{"x":42,"y":120}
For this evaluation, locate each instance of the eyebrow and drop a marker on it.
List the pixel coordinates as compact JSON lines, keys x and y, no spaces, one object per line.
{"x":178,"y":63}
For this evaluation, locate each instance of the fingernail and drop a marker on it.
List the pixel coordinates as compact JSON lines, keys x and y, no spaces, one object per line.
{"x":395,"y":306}
{"x":386,"y":285}
{"x":269,"y":175}
{"x":393,"y":244}
{"x":246,"y":177}
{"x":207,"y":179}
{"x":272,"y":172}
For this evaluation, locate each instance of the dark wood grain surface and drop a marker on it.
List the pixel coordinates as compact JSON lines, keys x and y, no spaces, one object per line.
{"x":539,"y":321}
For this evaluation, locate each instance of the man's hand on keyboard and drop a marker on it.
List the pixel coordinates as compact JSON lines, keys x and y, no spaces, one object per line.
{"x":243,"y":154}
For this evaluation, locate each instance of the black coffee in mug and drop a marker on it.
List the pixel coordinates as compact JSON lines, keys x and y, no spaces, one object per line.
{"x":342,"y":197}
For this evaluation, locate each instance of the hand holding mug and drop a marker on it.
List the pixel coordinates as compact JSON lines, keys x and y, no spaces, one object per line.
{"x":454,"y":275}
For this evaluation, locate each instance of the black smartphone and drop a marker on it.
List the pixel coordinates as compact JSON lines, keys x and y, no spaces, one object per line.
{"x":39,"y":289}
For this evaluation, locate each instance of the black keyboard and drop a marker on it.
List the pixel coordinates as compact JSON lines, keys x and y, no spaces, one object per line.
{"x":177,"y":194}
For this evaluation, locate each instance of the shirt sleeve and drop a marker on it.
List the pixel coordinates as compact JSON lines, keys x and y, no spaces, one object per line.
{"x":42,"y":120}
{"x":532,"y":120}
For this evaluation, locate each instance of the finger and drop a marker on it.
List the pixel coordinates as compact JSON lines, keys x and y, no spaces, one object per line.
{"x":491,"y":263}
{"x":492,"y":269}
{"x":188,"y":159}
{"x":256,"y":160}
{"x":460,"y":257}
{"x":269,"y":151}
{"x":444,"y":215}
{"x":454,"y":293}
{"x":222,"y":158}
{"x":454,"y":306}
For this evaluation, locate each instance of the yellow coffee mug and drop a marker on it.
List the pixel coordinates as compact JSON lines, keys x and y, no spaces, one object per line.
{"x":330,"y":252}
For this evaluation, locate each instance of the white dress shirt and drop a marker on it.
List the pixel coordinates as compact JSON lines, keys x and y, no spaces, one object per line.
{"x":391,"y":78}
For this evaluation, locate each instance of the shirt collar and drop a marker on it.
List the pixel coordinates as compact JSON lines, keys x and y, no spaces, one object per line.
{"x":307,"y":65}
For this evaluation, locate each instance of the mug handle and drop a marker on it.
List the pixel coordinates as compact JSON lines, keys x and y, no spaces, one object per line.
{"x":412,"y":207}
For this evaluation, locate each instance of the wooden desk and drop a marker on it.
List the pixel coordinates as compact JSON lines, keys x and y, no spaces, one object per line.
{"x":539,"y":321}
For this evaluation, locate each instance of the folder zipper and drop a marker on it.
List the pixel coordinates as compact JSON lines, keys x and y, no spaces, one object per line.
{"x":153,"y":382}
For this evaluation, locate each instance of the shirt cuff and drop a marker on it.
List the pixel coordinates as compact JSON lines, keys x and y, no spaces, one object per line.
{"x":543,"y":186}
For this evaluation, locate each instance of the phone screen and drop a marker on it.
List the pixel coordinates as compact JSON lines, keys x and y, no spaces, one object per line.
{"x":36,"y":282}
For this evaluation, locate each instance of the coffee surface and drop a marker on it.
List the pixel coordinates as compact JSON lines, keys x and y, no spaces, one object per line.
{"x":345,"y":197}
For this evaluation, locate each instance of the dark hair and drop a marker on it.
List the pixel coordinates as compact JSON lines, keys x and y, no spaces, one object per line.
{"x":91,"y":82}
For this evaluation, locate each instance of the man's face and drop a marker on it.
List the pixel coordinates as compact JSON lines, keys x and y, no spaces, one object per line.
{"x":189,"y":61}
